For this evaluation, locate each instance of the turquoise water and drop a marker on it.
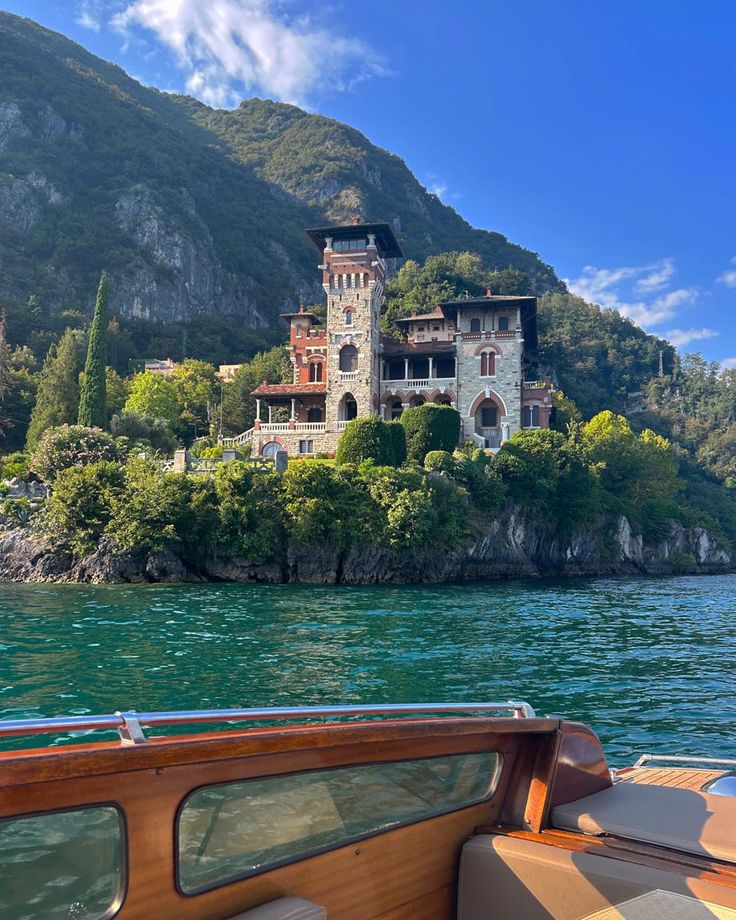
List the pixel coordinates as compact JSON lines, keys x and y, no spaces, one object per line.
{"x":649,"y":663}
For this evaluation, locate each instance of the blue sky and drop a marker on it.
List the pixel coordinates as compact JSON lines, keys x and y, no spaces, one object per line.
{"x":601,"y":135}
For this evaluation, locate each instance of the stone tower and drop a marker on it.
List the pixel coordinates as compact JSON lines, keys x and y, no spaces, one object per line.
{"x":354,"y":270}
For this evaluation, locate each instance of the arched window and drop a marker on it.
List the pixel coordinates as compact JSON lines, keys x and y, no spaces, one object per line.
{"x":348,"y":317}
{"x":531,"y":416}
{"x":487,"y":364}
{"x":315,"y":371}
{"x":271,"y":448}
{"x":349,"y":359}
{"x":475,"y":325}
{"x":503,"y":324}
{"x":348,"y":408}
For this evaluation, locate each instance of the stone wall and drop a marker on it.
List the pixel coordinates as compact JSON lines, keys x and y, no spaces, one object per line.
{"x":504,"y":387}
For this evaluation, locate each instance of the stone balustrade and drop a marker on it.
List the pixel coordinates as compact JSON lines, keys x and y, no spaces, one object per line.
{"x":420,"y":383}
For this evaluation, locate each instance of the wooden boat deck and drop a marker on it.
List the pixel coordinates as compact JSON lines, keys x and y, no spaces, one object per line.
{"x":682,"y":778}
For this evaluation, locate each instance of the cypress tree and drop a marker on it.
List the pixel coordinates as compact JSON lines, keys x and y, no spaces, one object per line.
{"x":58,"y":388}
{"x":93,"y":396}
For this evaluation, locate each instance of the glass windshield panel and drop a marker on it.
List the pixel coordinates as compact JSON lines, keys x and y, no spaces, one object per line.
{"x":233,"y":830}
{"x":62,"y":864}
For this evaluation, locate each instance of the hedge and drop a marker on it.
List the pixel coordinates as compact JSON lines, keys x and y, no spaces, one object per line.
{"x":367,"y":438}
{"x":430,"y":428}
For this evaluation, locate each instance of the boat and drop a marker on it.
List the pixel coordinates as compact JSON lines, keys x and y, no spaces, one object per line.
{"x":428,"y":811}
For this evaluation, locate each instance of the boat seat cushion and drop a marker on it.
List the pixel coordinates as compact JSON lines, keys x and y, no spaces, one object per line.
{"x":680,"y":819}
{"x":285,"y":909}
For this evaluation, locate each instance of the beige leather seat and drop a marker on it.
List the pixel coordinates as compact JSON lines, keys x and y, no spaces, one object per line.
{"x":679,"y":819}
{"x":285,"y":909}
{"x":510,"y":878}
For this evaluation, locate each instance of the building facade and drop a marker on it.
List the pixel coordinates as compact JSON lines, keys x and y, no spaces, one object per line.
{"x":469,"y":354}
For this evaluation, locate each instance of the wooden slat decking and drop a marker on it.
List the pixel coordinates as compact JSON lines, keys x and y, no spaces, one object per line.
{"x":680,"y":777}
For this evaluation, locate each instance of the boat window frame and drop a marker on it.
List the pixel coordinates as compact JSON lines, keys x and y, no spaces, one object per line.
{"x":117,"y":905}
{"x":494,"y":785}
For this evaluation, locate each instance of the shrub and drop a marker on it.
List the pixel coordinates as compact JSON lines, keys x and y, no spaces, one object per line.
{"x":14,"y":465}
{"x":440,"y":461}
{"x":16,"y":510}
{"x":158,"y":510}
{"x":81,"y":506}
{"x":429,"y":428}
{"x":484,"y":486}
{"x":250,"y":514}
{"x":366,"y":439}
{"x":143,"y":428}
{"x":398,"y":441}
{"x":69,"y":446}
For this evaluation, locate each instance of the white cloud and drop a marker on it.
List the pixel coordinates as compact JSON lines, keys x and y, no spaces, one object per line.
{"x":227,"y":47}
{"x":658,"y":277}
{"x":604,"y":286}
{"x":89,"y":15}
{"x":680,"y":337}
{"x":729,"y":276}
{"x":728,"y":364}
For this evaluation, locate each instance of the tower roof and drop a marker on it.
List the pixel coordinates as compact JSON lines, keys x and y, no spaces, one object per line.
{"x":386,"y":240}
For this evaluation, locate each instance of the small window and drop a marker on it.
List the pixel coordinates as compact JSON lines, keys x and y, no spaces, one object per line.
{"x":348,"y":317}
{"x":315,"y":372}
{"x":503,"y":324}
{"x":489,"y":417}
{"x":306,"y":447}
{"x":475,"y":325}
{"x":233,"y":830}
{"x":436,"y":328}
{"x":63,"y":864}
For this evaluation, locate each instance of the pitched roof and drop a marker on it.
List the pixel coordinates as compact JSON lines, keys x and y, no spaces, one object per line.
{"x":392,"y":347}
{"x":435,"y":314}
{"x":289,"y":389}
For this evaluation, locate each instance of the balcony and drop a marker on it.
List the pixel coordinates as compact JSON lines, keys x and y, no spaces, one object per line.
{"x":282,"y":427}
{"x":419,"y":383}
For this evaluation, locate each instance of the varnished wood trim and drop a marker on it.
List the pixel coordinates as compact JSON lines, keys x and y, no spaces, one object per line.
{"x":441,"y":735}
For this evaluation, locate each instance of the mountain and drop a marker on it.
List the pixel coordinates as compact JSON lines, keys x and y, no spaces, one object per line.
{"x":190,"y":210}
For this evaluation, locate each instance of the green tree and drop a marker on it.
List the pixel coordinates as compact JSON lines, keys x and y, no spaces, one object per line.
{"x":92,"y":397}
{"x":57,"y":398}
{"x":154,"y":396}
{"x":196,"y":388}
{"x":116,"y":390}
{"x":430,"y":427}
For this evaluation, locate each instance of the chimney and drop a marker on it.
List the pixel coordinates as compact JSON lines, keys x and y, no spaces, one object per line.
{"x":489,"y":292}
{"x":356,"y":220}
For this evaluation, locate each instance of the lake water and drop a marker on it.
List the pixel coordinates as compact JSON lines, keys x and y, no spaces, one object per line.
{"x":647,"y":662}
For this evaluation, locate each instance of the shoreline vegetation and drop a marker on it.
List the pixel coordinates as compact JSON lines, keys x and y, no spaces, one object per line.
{"x":93,"y":497}
{"x":396,"y":505}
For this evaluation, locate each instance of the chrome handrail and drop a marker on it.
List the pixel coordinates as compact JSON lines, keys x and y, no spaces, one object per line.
{"x":130,"y":724}
{"x":680,"y":758}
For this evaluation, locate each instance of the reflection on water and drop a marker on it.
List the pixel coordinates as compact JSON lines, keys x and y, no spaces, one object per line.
{"x":647,"y":662}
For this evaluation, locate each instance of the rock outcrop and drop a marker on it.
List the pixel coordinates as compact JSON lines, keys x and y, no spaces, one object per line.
{"x":511,"y":547}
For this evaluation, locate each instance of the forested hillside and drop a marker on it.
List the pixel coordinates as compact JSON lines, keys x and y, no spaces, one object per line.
{"x":189,"y":210}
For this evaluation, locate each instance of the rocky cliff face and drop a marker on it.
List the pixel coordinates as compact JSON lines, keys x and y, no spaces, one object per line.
{"x":511,"y":547}
{"x":189,"y":210}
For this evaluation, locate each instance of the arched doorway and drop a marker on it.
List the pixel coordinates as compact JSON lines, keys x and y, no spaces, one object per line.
{"x":396,"y":408}
{"x":487,"y":422}
{"x":443,"y":401}
{"x":417,"y":401}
